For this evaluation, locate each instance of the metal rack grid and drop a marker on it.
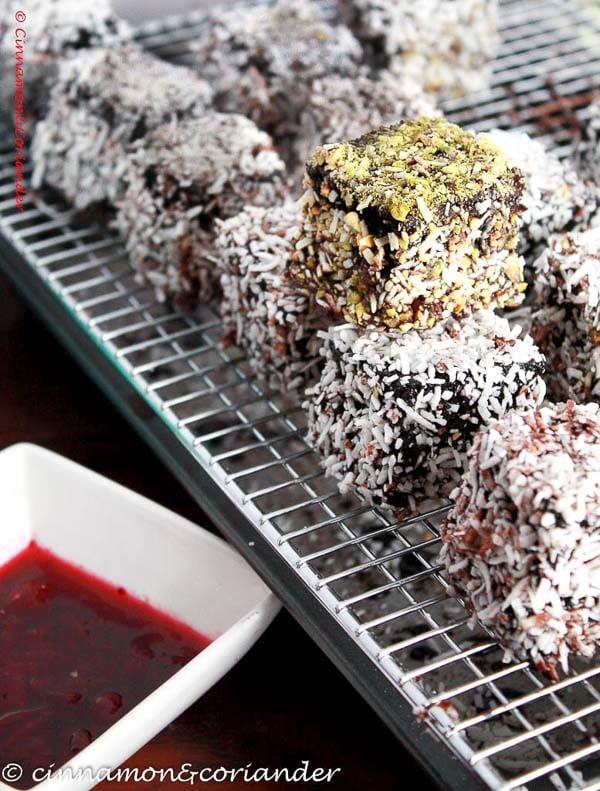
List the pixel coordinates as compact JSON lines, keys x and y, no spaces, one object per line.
{"x":369,"y":588}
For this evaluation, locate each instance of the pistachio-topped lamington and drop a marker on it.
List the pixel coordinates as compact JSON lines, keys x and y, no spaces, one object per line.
{"x":410,"y":224}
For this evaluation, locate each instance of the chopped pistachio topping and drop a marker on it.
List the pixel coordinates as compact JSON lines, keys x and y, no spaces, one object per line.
{"x":417,"y":168}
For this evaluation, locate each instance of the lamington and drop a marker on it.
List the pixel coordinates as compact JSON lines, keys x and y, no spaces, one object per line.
{"x":181,"y":178}
{"x":53,"y":30}
{"x":565,"y":317}
{"x":261,"y":60}
{"x":393,"y":413}
{"x":103,"y":102}
{"x":555,"y":198}
{"x":410,"y":224}
{"x":264,"y":313}
{"x":587,"y":152}
{"x":522,"y":543}
{"x":447,"y":45}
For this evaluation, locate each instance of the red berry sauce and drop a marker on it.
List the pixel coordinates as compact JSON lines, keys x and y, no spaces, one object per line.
{"x":76,"y":654}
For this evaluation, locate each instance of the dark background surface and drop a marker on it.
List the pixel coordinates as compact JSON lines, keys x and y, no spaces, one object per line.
{"x":284,"y":702}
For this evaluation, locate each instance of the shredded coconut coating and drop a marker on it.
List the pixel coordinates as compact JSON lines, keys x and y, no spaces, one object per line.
{"x":105,"y":100}
{"x":588,"y":149}
{"x":410,"y":224}
{"x":261,"y":60}
{"x":522,"y":542}
{"x":54,"y":29}
{"x":263,"y":312}
{"x":181,"y":178}
{"x":555,"y":197}
{"x":566,"y":314}
{"x":343,"y":109}
{"x":393,"y":414}
{"x":446,"y":45}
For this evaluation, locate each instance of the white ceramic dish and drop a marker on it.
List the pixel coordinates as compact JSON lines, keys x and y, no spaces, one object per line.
{"x":160,"y":557}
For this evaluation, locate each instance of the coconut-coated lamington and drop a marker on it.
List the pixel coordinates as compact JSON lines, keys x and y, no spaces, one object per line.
{"x":104,"y":100}
{"x":275,"y":322}
{"x":566,"y":313}
{"x":587,"y":153}
{"x":447,"y":45}
{"x":181,"y":178}
{"x":53,"y":30}
{"x":522,"y":542}
{"x":410,"y":224}
{"x":261,"y":59}
{"x":555,"y":198}
{"x":394,"y":413}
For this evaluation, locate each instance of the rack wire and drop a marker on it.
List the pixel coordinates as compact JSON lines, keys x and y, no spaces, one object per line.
{"x":374,"y":582}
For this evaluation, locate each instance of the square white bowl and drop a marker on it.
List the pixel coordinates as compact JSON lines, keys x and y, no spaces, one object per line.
{"x":154,"y":554}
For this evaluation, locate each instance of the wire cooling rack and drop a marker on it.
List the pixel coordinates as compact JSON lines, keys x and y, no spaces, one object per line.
{"x":369,"y":589}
